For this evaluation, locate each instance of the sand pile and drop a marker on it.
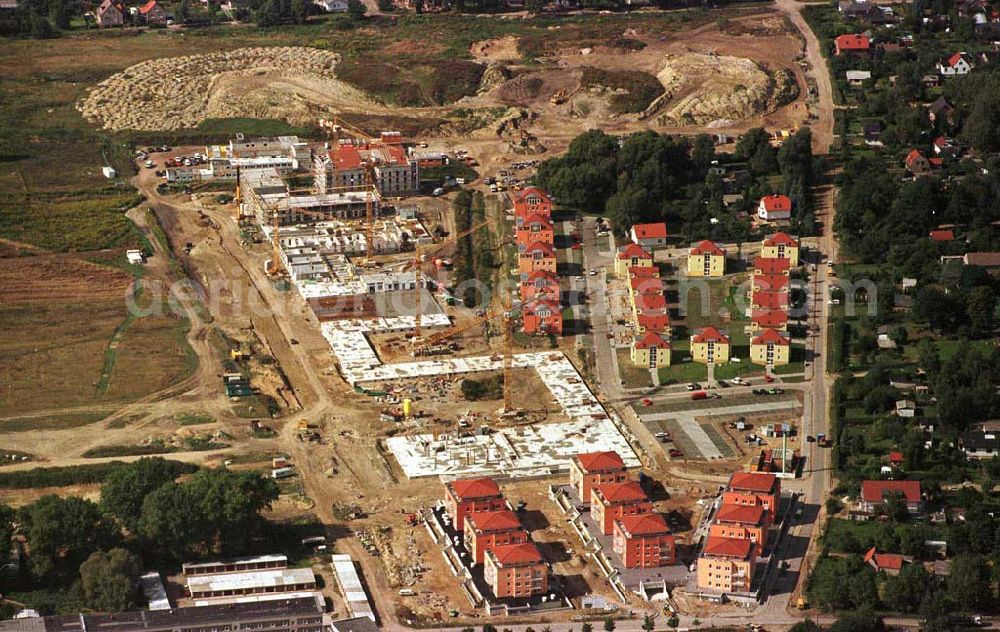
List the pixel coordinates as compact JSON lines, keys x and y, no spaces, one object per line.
{"x":704,"y":88}
{"x":176,"y":92}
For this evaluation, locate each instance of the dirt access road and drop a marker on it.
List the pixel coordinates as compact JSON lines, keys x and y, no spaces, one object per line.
{"x":822,"y":129}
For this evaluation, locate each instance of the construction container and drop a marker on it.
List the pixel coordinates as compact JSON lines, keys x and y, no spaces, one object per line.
{"x":407,"y":408}
{"x":282,"y":472}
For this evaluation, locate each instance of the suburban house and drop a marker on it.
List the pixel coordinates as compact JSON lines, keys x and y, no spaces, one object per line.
{"x":761,"y":319}
{"x":770,"y":348}
{"x":153,"y":13}
{"x":535,"y":227}
{"x":780,"y":246}
{"x":530,"y":201}
{"x":854,"y":44}
{"x":980,"y":444}
{"x":917,"y":164}
{"x":990,"y":261}
{"x":516,"y":570}
{"x":942,"y":235}
{"x":340,"y":6}
{"x":955,"y":66}
{"x":890,"y":563}
{"x":874,"y":494}
{"x":644,"y":541}
{"x":632,"y":256}
{"x":595,"y":468}
{"x":705,"y":259}
{"x":754,"y":489}
{"x":542,"y":316}
{"x":649,"y":303}
{"x":650,"y":350}
{"x":727,"y":565}
{"x":489,"y":529}
{"x":611,"y":501}
{"x":536,"y":256}
{"x":110,"y":13}
{"x":472,"y":495}
{"x":540,"y":284}
{"x":774,"y":208}
{"x":946,"y":147}
{"x":744,"y":522}
{"x":649,"y":236}
{"x":710,"y":346}
{"x":857,"y":78}
{"x":940,"y":109}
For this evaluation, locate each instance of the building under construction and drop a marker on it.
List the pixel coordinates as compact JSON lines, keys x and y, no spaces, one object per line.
{"x":267,"y":196}
{"x":343,"y":164}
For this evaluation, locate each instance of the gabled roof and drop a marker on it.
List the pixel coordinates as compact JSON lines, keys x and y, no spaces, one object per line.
{"x":851,"y":41}
{"x":954,"y":59}
{"x":536,"y":304}
{"x":772,"y":282}
{"x":741,"y":514}
{"x":913,"y":156}
{"x":649,"y":340}
{"x":650,"y":301}
{"x":644,"y":272}
{"x":876,"y":491}
{"x":535,"y":275}
{"x":520,"y":196}
{"x":896,"y":457}
{"x":493,"y":521}
{"x":149,"y":6}
{"x":650,"y":231}
{"x":940,"y":105}
{"x":772,"y":265}
{"x":710,"y":334}
{"x":634,"y":251}
{"x":646,"y":285}
{"x":600,"y":461}
{"x":753,"y":482}
{"x":942,"y":235}
{"x":770,"y":299}
{"x":781,"y":239}
{"x":774,"y":203}
{"x":625,"y":492}
{"x":643,"y":524}
{"x":654,"y":322}
{"x":717,"y":546}
{"x":770,"y":336}
{"x":706,"y":247}
{"x":472,"y":488}
{"x":535,"y":218}
{"x":515,"y":554}
{"x":884,"y":561}
{"x":769,"y":317}
{"x":540,"y":246}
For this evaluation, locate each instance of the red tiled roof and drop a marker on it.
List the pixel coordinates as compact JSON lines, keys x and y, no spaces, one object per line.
{"x":146,"y":8}
{"x":643,"y":272}
{"x":706,"y":247}
{"x":628,"y":491}
{"x":644,"y":524}
{"x":651,"y":339}
{"x":776,"y":203}
{"x":650,"y":231}
{"x":852,"y":42}
{"x":654,"y":322}
{"x":780,"y":239}
{"x":492,"y":521}
{"x":752,"y":482}
{"x":352,"y":155}
{"x":471,"y":488}
{"x":634,"y":251}
{"x":954,"y":59}
{"x":710,"y":334}
{"x":770,"y":299}
{"x":741,"y":514}
{"x":770,"y":282}
{"x":769,"y":317}
{"x":600,"y":461}
{"x":884,"y":561}
{"x":535,"y":218}
{"x":542,"y":246}
{"x":896,"y":457}
{"x":937,"y":162}
{"x":717,"y":546}
{"x":770,"y":335}
{"x":534,"y":305}
{"x":524,"y":193}
{"x":914,"y":155}
{"x":515,"y":554}
{"x":772,"y":265}
{"x":650,"y":301}
{"x":535,"y":275}
{"x":876,"y":491}
{"x":646,"y":285}
{"x":942,"y":235}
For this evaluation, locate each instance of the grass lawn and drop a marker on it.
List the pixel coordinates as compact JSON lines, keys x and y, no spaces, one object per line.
{"x":633,"y":376}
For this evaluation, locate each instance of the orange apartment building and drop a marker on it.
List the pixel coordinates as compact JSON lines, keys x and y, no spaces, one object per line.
{"x":727,"y":565}
{"x":540,"y":284}
{"x":611,"y":501}
{"x":536,"y":256}
{"x":644,"y":541}
{"x":542,"y":316}
{"x":489,"y":529}
{"x":754,"y":489}
{"x":535,"y":227}
{"x":472,"y":495}
{"x":741,"y":522}
{"x":516,"y":570}
{"x":771,"y":266}
{"x":530,"y":201}
{"x":595,"y":468}
{"x":657,"y":323}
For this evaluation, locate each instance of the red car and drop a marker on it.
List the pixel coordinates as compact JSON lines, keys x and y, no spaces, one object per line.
{"x":647,"y":402}
{"x":675,"y":453}
{"x":577,"y":246}
{"x":768,"y":378}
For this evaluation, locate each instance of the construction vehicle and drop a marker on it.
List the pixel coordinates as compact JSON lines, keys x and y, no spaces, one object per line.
{"x":802,"y":603}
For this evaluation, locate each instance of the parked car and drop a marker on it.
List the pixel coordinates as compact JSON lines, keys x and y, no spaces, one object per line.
{"x":675,"y":453}
{"x":699,"y":395}
{"x":693,"y":386}
{"x":647,"y":402}
{"x":723,"y":384}
{"x":768,"y":379}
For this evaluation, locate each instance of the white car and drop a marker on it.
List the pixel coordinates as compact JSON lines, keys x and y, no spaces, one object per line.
{"x":592,"y":272}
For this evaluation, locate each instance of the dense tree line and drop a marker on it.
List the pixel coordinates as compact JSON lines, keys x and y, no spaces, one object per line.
{"x":39,"y":18}
{"x":92,"y":549}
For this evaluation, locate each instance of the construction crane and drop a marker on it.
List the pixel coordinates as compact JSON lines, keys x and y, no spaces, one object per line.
{"x":416,"y":264}
{"x":334,"y":127}
{"x":440,"y":336}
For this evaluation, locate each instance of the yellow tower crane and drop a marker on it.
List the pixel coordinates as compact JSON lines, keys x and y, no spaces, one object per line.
{"x":335,"y":127}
